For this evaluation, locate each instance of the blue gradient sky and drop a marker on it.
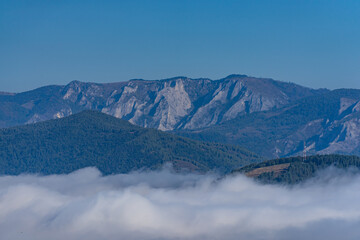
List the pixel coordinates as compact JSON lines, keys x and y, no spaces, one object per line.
{"x":312,"y":43}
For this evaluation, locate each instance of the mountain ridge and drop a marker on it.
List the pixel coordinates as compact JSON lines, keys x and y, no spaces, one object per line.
{"x":269,"y":117}
{"x":168,"y":104}
{"x":113,"y":145}
{"x":325,"y":123}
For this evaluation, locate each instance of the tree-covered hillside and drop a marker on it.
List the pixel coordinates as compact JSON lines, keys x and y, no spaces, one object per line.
{"x":113,"y":145}
{"x":295,"y":169}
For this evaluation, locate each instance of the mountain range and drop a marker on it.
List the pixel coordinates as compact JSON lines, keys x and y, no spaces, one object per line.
{"x":271,"y":118}
{"x":176,"y":103}
{"x":321,"y":124}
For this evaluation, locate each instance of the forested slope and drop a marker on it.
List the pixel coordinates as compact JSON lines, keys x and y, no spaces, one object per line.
{"x":113,"y":145}
{"x":296,"y":169}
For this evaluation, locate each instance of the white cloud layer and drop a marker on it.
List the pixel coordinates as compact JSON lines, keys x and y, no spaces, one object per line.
{"x":163,"y":205}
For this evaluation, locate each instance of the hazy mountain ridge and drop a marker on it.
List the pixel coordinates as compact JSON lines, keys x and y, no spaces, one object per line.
{"x":176,"y":103}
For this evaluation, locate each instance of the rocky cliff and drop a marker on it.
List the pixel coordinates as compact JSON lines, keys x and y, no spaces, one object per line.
{"x":176,"y":103}
{"x":321,"y":124}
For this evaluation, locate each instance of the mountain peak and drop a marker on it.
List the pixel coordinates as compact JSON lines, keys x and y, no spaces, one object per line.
{"x":236,"y":76}
{"x":75,"y":82}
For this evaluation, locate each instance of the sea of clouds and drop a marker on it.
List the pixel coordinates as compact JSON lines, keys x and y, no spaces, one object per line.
{"x":164,"y":205}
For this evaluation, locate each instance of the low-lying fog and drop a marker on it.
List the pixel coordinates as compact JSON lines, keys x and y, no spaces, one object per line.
{"x":163,"y":205}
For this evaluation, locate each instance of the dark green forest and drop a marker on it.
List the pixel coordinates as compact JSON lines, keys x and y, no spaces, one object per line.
{"x":112,"y":145}
{"x":299,"y":169}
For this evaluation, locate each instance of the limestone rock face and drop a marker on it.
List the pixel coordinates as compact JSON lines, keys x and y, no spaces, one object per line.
{"x":333,"y":133}
{"x":176,"y":103}
{"x":345,"y":132}
{"x":160,"y":106}
{"x":321,"y":124}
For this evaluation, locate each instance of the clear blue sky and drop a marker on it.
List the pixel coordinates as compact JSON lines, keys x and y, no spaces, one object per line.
{"x":312,"y":43}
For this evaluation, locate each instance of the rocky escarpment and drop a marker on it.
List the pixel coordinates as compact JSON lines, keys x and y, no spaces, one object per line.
{"x":321,"y":124}
{"x":176,"y":103}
